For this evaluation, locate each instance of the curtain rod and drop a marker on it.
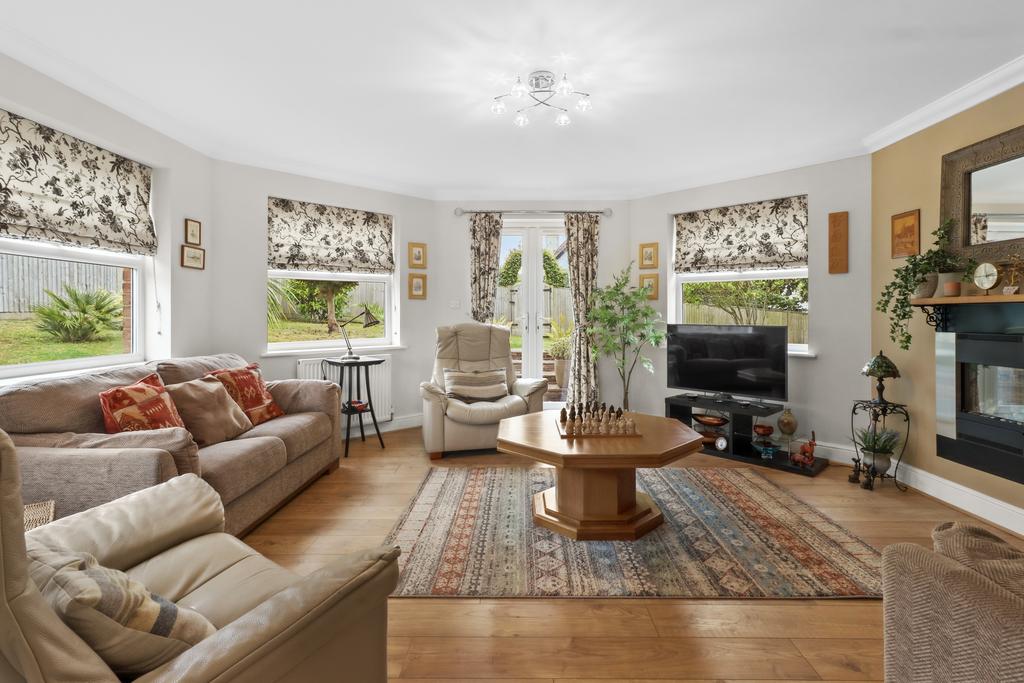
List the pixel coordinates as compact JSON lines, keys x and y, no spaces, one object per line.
{"x":460,"y":211}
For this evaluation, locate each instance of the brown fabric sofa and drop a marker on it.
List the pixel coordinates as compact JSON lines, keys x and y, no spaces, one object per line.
{"x":955,"y":614}
{"x":272,"y":625}
{"x":65,"y":455}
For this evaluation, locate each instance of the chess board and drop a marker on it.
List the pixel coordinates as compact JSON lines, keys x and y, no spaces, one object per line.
{"x":561,"y":433}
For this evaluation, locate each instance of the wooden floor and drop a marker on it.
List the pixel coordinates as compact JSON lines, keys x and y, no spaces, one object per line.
{"x":586,"y":639}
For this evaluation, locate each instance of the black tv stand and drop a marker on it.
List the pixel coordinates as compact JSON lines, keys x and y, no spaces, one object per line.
{"x":740,"y":430}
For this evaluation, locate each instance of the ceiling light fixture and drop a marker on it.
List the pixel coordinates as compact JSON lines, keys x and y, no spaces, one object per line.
{"x":540,"y":90}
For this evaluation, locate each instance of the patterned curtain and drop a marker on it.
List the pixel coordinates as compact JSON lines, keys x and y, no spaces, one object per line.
{"x":755,"y":236}
{"x":581,"y":236}
{"x":979,"y":228}
{"x":307,"y":236}
{"x":57,"y":188}
{"x":484,"y":253}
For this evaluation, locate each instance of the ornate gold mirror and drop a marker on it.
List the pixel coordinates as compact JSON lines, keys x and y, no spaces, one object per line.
{"x":983,"y":191}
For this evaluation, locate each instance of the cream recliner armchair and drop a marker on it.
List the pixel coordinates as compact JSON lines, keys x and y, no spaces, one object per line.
{"x":272,"y":625}
{"x":453,"y":425}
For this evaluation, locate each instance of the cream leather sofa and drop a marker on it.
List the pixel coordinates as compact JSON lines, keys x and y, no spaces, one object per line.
{"x":453,"y":425}
{"x":272,"y":625}
{"x":65,"y":455}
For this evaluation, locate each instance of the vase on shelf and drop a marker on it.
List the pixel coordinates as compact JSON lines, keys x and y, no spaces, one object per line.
{"x":787,"y":422}
{"x":949,"y":284}
{"x":880,"y":462}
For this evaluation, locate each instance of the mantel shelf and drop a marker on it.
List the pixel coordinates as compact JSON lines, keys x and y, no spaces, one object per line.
{"x":973,"y":299}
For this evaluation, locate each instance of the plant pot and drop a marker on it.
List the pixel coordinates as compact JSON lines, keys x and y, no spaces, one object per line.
{"x":949,"y":284}
{"x":881,"y":462}
{"x":927,"y":288}
{"x":561,"y":371}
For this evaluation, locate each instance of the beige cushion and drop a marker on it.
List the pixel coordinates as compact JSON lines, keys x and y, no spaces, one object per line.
{"x":982,"y":551}
{"x":477,"y":385}
{"x":130,"y":628}
{"x":217,"y":575}
{"x":234,"y":467}
{"x":485,"y":413}
{"x":66,"y":404}
{"x":175,"y":440}
{"x":178,"y":370}
{"x":299,"y":431}
{"x":208,"y":411}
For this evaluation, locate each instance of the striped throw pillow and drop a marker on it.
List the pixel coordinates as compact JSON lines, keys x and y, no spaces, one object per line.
{"x":477,"y":385}
{"x":132,"y":630}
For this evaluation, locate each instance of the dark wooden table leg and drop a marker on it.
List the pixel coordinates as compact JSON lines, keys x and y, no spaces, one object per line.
{"x":359,"y":396}
{"x":348,"y":412}
{"x":369,"y":402}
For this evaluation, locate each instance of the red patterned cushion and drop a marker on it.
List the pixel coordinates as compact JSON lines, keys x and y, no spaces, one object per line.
{"x":246,"y":387}
{"x":136,"y":407}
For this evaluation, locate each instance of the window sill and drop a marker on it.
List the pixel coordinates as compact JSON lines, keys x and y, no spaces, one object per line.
{"x":69,"y":372}
{"x":802,"y":354}
{"x":330,"y":351}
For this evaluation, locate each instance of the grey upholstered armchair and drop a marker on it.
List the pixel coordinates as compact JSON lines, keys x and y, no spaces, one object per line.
{"x":453,"y":425}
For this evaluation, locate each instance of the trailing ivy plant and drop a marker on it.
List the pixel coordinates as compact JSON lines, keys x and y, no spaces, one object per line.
{"x":895,"y":297}
{"x":622,"y":323}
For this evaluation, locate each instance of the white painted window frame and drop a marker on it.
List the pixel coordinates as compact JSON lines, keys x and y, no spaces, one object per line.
{"x":391,"y":321}
{"x":675,"y":293}
{"x":60,"y":252}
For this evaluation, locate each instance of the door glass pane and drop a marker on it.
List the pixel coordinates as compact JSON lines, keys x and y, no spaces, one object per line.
{"x":556,"y":312}
{"x":508,"y":303}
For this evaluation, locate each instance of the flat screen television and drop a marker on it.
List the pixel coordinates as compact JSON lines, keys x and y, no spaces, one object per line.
{"x":743,"y":360}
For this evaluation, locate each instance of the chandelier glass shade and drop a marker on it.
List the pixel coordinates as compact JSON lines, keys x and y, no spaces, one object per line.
{"x":542,"y":89}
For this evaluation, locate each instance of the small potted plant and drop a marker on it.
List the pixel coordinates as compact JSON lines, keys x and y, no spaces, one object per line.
{"x":560,"y":349}
{"x":918,"y":277}
{"x":880,"y":444}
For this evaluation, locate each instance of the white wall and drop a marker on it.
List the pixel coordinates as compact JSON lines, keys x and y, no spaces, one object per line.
{"x":181,"y":188}
{"x":821,"y":389}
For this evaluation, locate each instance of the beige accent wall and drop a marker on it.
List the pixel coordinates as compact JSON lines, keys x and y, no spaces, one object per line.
{"x":905,"y":176}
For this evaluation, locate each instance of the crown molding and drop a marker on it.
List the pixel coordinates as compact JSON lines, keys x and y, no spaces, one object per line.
{"x":985,"y":87}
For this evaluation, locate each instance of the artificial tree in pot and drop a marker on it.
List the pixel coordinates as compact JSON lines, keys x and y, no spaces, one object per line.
{"x":918,"y":274}
{"x":622,"y":323}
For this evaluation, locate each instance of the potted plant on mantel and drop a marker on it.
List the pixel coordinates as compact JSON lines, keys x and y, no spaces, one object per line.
{"x":919,"y":277}
{"x":622,"y":323}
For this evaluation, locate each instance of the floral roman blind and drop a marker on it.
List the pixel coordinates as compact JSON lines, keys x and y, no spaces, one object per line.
{"x":307,"y":236}
{"x":57,"y":188}
{"x":757,"y":236}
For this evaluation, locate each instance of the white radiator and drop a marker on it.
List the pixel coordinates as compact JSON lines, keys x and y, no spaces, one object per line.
{"x":380,"y":382}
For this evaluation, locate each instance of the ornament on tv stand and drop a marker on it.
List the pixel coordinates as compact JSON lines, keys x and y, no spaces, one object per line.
{"x":787,"y":422}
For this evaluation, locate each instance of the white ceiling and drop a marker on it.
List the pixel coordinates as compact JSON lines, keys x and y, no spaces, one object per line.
{"x":394,"y":94}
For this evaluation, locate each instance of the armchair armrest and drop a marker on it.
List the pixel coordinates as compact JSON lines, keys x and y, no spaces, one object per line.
{"x":124,"y":532}
{"x":310,"y":396}
{"x":331,"y":625}
{"x":77,"y":479}
{"x":532,"y":390}
{"x":431,"y":392}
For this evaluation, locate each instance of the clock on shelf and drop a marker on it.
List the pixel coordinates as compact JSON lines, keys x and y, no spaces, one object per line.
{"x":986,"y":276}
{"x":721,"y":443}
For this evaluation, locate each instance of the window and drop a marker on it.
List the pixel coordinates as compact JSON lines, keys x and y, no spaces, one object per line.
{"x":308,"y":309}
{"x":772,"y":297}
{"x":744,"y":265}
{"x":64,"y":308}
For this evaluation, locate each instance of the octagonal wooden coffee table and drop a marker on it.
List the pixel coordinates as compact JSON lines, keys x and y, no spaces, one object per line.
{"x":595,"y":496}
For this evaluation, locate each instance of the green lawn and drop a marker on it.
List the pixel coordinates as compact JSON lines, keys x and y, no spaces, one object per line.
{"x":291,"y":331}
{"x":516,"y":342}
{"x":21,"y":342}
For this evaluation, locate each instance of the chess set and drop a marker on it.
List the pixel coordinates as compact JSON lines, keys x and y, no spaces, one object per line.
{"x":587,"y":420}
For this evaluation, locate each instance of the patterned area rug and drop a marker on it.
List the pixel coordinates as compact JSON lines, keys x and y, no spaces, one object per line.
{"x":727,"y":533}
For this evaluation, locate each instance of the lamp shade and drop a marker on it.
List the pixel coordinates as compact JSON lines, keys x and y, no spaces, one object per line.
{"x":880,"y":366}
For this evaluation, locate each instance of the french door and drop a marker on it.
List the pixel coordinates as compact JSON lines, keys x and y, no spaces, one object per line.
{"x":533,"y":297}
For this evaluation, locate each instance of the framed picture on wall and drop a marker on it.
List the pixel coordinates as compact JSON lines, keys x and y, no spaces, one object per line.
{"x":649,"y":281}
{"x":417,"y":285}
{"x":906,"y":234}
{"x":417,"y":255}
{"x":193,"y":257}
{"x":648,"y":256}
{"x":193,"y":232}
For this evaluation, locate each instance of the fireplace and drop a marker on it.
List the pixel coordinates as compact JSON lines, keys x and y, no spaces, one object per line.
{"x":980,"y":401}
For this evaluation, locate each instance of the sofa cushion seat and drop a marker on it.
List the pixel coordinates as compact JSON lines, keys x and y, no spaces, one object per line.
{"x":216,"y":575}
{"x":299,"y":431}
{"x":235,"y":467}
{"x":485,"y":413}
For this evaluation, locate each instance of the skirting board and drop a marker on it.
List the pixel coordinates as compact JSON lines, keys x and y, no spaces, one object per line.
{"x":998,"y":512}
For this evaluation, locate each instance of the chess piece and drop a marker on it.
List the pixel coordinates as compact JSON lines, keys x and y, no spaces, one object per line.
{"x":630,"y":427}
{"x":618,"y":412}
{"x":578,"y":429}
{"x":603,"y":407}
{"x":570,"y":429}
{"x":563,"y":416}
{"x":572,"y":412}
